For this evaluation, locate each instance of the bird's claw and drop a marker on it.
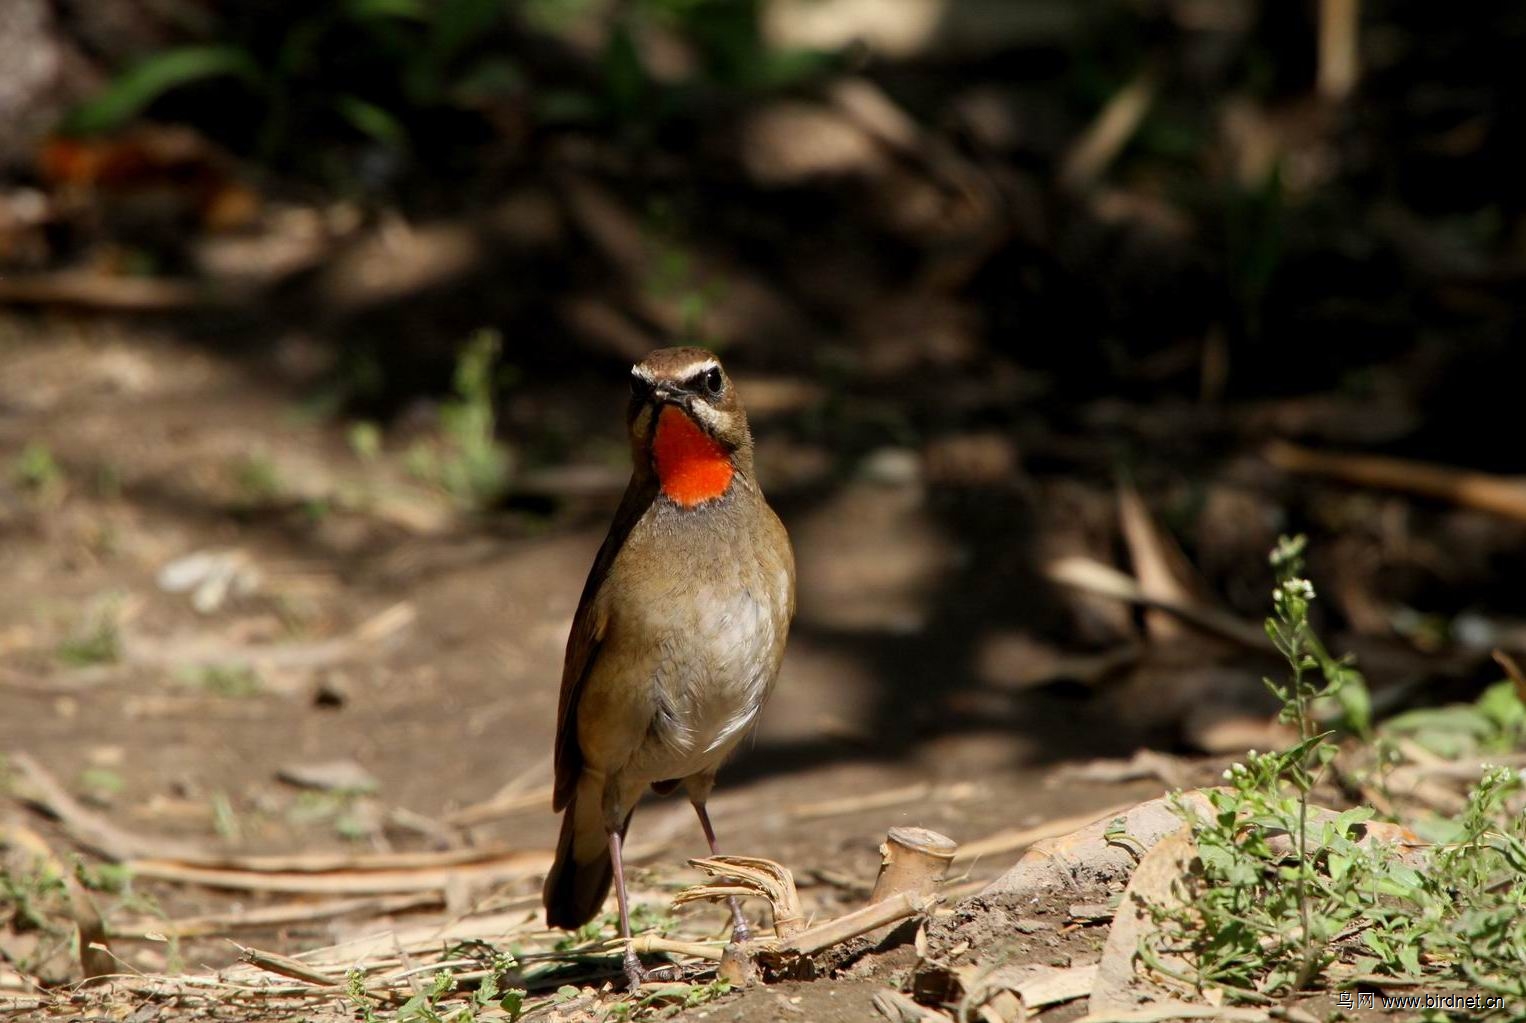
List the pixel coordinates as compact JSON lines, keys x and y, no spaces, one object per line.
{"x":637,"y":974}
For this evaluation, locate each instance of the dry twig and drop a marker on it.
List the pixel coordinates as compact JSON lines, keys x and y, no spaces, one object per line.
{"x":860,"y":921}
{"x":1108,"y":133}
{"x":883,"y":799}
{"x":91,"y":830}
{"x":1013,"y":839}
{"x":1091,"y":576}
{"x":503,"y":866}
{"x":749,"y":877}
{"x":283,"y":915}
{"x":1339,"y":47}
{"x":95,"y":958}
{"x":1163,"y":572}
{"x":1502,"y":495}
{"x":286,"y":967}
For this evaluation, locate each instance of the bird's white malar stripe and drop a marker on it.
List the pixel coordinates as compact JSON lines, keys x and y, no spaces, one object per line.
{"x":715,"y":419}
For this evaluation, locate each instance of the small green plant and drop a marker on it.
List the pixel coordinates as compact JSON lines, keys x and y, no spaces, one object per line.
{"x":1262,"y":926}
{"x":342,"y":809}
{"x":355,"y":993}
{"x":101,"y":784}
{"x":365,"y":439}
{"x":96,"y":639}
{"x":225,"y":819}
{"x":673,"y":276}
{"x":1285,"y":890}
{"x":1315,"y":675}
{"x":468,"y":462}
{"x":670,"y":998}
{"x":29,"y":899}
{"x":443,"y":1001}
{"x":644,"y":918}
{"x":424,"y":1006}
{"x":369,"y":75}
{"x":108,"y":878}
{"x":36,"y":470}
{"x":1493,"y":724}
{"x":235,"y":681}
{"x":492,"y":992}
{"x":257,"y":480}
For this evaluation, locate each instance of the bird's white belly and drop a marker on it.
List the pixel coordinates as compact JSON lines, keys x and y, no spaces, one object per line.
{"x":710,"y":683}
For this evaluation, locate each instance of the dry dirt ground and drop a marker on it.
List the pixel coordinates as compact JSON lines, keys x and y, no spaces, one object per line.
{"x":367,"y":621}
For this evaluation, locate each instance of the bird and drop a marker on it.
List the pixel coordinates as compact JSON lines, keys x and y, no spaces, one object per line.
{"x":678,"y":637}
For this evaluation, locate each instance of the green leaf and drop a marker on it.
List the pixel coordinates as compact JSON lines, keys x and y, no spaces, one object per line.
{"x":492,"y":78}
{"x":135,"y":89}
{"x":374,"y":10}
{"x":459,"y":23}
{"x":373,"y":121}
{"x":1502,"y":705}
{"x":1352,"y":817}
{"x":1355,"y":703}
{"x":624,"y":76}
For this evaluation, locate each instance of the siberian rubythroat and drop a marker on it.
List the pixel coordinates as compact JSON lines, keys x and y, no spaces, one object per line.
{"x":678,"y":636}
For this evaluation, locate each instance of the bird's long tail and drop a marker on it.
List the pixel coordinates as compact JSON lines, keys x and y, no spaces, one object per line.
{"x":582,"y":872}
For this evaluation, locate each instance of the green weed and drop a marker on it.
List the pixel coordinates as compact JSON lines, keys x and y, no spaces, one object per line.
{"x":235,"y":681}
{"x":96,"y":639}
{"x":28,"y":900}
{"x":644,"y":918}
{"x":1262,"y":921}
{"x":467,"y":462}
{"x":36,"y":470}
{"x":101,"y":784}
{"x":371,"y":75}
{"x":443,"y":1001}
{"x":225,"y":820}
{"x":365,"y":439}
{"x":257,"y":480}
{"x":1495,"y":723}
{"x":669,"y":998}
{"x":341,"y":810}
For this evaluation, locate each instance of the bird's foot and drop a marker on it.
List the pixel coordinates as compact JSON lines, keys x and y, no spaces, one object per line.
{"x":637,"y":974}
{"x":740,"y":932}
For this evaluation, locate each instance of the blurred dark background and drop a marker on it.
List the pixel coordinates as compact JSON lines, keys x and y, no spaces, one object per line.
{"x":986,"y":269}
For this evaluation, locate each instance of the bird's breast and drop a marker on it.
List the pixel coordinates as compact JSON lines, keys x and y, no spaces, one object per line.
{"x":698,"y":605}
{"x":719,"y":656}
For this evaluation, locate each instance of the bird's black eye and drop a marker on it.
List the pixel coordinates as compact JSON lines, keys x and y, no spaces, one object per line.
{"x":714,"y":383}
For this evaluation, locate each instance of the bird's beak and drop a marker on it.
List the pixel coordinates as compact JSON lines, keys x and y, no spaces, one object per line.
{"x":663,"y":394}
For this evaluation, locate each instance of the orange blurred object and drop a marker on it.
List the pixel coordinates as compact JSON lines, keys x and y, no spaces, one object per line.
{"x":152,"y":159}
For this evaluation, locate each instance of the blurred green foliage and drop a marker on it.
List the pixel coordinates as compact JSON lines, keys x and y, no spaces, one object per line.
{"x":354,"y":92}
{"x":279,"y":76}
{"x":466,"y":460}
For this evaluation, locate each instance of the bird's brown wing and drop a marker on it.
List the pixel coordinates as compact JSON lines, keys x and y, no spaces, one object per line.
{"x":586,"y":638}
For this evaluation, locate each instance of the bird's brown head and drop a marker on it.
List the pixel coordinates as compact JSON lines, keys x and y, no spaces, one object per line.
{"x":687,"y":425}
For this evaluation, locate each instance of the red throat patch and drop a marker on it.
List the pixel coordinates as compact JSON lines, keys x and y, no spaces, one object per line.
{"x":692,"y":466}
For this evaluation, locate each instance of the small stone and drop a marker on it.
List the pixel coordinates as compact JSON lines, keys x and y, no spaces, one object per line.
{"x":329,"y":776}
